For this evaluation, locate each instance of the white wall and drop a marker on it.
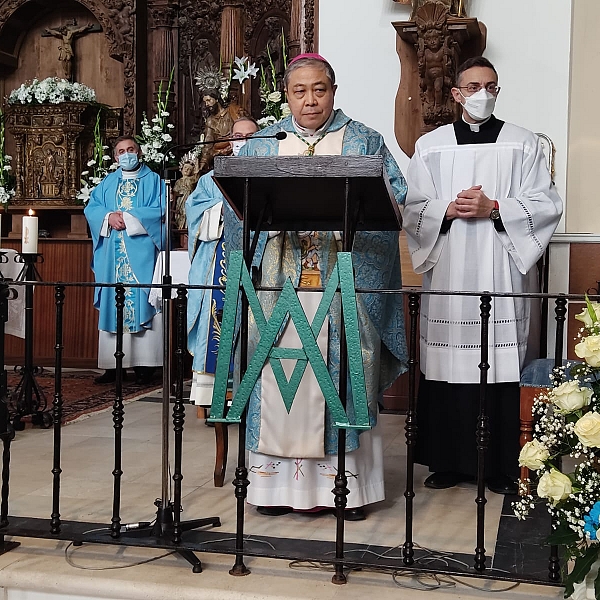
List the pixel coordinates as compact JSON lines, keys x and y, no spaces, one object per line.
{"x":528,"y":42}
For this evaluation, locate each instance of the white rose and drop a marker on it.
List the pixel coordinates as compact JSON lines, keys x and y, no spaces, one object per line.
{"x":533,"y":455}
{"x":589,"y":350}
{"x":587,"y":429}
{"x":569,"y":397}
{"x":584,"y":315}
{"x":285,"y":110}
{"x":274,"y":97}
{"x":554,"y":485}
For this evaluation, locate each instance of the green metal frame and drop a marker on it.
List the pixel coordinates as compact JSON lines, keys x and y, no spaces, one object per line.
{"x":288,"y":303}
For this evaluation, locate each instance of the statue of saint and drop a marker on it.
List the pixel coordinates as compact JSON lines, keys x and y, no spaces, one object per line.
{"x":67,"y":34}
{"x":219,"y":121}
{"x":435,"y":66}
{"x":49,"y":166}
{"x":183,"y":187}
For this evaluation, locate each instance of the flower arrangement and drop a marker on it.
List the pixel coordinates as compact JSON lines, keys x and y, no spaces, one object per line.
{"x":568,"y":425}
{"x":155,"y":136}
{"x":274,"y":106}
{"x":6,"y":179}
{"x":243,"y":70}
{"x":53,"y":90}
{"x":98,"y":164}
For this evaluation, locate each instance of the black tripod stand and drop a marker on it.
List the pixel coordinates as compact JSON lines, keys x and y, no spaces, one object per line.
{"x":28,"y":398}
{"x":168,"y":527}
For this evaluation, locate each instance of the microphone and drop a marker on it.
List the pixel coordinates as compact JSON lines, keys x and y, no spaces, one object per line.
{"x":280,"y":135}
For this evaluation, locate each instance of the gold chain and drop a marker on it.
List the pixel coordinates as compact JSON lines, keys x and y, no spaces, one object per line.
{"x":310,"y":151}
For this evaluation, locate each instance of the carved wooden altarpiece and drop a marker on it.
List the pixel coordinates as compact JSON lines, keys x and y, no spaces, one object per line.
{"x":431,"y":47}
{"x":53,"y":143}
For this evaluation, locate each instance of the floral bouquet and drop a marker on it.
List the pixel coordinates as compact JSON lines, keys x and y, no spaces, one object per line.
{"x":155,"y":137}
{"x":98,"y":164}
{"x":274,"y":107}
{"x":51,"y":90}
{"x":6,"y":179}
{"x":568,"y":425}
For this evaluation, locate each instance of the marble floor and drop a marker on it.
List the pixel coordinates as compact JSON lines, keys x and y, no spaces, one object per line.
{"x":444,"y":522}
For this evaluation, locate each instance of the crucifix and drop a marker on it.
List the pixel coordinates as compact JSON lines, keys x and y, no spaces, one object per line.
{"x":67,"y":34}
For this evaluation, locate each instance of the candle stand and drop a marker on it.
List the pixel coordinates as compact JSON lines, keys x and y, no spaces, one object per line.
{"x":28,"y":399}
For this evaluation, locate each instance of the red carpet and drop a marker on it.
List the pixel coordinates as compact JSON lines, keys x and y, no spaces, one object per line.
{"x":80,"y":394}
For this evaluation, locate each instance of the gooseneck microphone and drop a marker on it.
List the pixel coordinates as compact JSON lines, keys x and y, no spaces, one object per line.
{"x":280,"y":135}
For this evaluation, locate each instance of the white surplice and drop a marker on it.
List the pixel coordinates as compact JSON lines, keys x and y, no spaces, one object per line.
{"x":473,"y":256}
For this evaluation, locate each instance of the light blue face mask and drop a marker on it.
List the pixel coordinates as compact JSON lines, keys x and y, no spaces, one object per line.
{"x":128,"y":161}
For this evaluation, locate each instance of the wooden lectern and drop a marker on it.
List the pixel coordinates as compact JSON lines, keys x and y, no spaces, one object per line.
{"x":297,"y":193}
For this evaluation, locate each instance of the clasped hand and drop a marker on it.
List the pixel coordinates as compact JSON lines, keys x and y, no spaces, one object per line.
{"x":469,"y":204}
{"x":116,"y":221}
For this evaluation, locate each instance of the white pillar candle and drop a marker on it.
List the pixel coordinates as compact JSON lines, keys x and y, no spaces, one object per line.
{"x":30,"y":234}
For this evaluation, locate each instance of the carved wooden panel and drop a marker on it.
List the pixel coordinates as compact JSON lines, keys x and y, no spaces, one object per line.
{"x":52,"y":141}
{"x":80,"y":317}
{"x":430,"y":49}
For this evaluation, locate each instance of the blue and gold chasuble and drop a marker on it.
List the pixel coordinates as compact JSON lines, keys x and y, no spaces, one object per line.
{"x":207,"y":268}
{"x":376,"y":261}
{"x":121,"y":258}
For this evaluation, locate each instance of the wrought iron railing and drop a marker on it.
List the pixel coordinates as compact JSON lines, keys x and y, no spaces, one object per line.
{"x":184,"y":537}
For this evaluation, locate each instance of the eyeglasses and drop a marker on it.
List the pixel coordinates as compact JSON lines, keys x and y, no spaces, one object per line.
{"x":473,"y":88}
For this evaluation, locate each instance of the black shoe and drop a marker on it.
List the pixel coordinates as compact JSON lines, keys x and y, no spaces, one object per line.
{"x":443,"y":480}
{"x":502,"y":484}
{"x":273,"y":511}
{"x":108,"y":376}
{"x":144,"y":375}
{"x":355,"y":514}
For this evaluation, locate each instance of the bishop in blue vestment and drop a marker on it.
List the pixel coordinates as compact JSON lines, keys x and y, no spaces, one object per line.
{"x":292,"y":460}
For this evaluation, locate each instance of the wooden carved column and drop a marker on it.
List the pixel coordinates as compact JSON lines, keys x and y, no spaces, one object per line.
{"x":19,"y":162}
{"x":295,"y":41}
{"x":232,"y":45}
{"x":163,"y":26}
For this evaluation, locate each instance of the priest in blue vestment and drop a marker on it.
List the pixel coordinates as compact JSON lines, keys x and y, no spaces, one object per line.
{"x":292,"y":457}
{"x":125,"y":214}
{"x":204,"y":212}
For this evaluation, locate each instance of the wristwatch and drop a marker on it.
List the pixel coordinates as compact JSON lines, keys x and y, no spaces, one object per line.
{"x":495,"y":213}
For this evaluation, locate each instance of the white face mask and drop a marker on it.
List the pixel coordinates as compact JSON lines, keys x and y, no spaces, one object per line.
{"x":237,"y":146}
{"x":480,"y":105}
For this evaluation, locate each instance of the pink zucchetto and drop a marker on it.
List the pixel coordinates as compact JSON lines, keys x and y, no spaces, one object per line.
{"x":312,"y":55}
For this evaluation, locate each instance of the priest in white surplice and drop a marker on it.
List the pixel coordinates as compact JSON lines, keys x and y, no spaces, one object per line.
{"x":480,"y":211}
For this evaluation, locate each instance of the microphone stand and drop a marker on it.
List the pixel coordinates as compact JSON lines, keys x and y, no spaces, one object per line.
{"x":167,"y":525}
